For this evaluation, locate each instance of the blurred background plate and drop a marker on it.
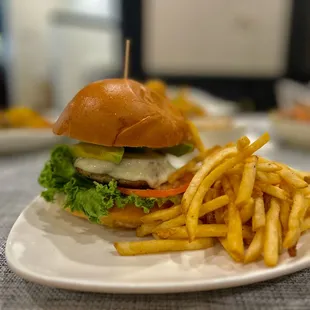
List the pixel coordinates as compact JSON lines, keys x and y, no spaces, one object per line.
{"x":295,"y":133}
{"x":212,"y":105}
{"x":21,"y":140}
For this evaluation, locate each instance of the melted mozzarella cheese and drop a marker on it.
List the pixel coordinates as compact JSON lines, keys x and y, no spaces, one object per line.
{"x":152,"y":169}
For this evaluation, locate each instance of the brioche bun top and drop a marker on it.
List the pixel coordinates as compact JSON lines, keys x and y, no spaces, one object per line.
{"x":122,"y":112}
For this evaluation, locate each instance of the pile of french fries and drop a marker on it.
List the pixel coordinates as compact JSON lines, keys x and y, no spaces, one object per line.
{"x":254,"y":207}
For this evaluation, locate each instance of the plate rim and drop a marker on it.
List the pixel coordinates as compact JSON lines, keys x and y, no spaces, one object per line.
{"x":143,"y":288}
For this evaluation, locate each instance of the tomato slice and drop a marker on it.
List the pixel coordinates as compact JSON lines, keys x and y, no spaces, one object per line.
{"x":156,"y":193}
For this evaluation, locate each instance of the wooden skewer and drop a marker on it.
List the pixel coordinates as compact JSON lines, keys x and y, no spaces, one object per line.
{"x":127,"y":52}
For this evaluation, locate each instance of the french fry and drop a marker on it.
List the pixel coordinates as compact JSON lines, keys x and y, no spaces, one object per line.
{"x":207,"y":207}
{"x":182,"y":171}
{"x":267,"y":167}
{"x":191,"y":164}
{"x":237,"y":169}
{"x":284,"y":214}
{"x":268,"y":177}
{"x":235,"y":182}
{"x":305,"y":225}
{"x":246,"y":212}
{"x":146,"y":229}
{"x":296,"y":216}
{"x":259,"y":218}
{"x":273,"y":191}
{"x":203,"y":231}
{"x":209,"y":195}
{"x":247,"y":181}
{"x":196,"y":137}
{"x":227,"y":187}
{"x":234,"y":233}
{"x":162,"y":215}
{"x":175,"y":222}
{"x":243,"y":142}
{"x":160,"y":246}
{"x":306,"y":191}
{"x":280,"y":246}
{"x":213,"y":205}
{"x":215,"y":174}
{"x":292,"y":178}
{"x":209,"y":163}
{"x":271,"y":242}
{"x":255,"y":249}
{"x":225,"y":245}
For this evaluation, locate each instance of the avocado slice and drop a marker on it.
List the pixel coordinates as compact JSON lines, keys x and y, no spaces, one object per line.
{"x":87,"y":150}
{"x":179,"y":150}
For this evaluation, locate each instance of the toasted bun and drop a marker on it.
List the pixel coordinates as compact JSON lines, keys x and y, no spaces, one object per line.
{"x":128,"y":217}
{"x":121,"y":112}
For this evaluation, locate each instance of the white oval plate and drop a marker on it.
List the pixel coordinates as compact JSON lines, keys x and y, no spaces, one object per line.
{"x":26,"y":139}
{"x":51,"y":247}
{"x":290,"y":131}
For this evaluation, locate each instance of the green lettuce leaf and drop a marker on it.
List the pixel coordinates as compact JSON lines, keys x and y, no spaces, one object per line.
{"x":93,"y":199}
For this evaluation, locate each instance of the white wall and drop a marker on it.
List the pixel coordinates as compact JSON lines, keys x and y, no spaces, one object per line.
{"x":34,"y":47}
{"x":27,"y":63}
{"x":216,"y":37}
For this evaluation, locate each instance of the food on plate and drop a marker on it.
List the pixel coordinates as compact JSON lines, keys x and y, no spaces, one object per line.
{"x":181,"y":100}
{"x":22,"y":117}
{"x":254,"y":207}
{"x":118,"y":171}
{"x":299,"y":112}
{"x":158,"y":86}
{"x":187,"y":106}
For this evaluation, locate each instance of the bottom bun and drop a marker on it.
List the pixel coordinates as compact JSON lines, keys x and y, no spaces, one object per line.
{"x":128,"y":217}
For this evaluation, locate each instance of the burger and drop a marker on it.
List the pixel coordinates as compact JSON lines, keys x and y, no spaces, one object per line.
{"x":117,"y":169}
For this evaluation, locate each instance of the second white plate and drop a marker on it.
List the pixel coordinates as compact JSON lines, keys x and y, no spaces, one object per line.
{"x":48,"y":246}
{"x":26,"y":139}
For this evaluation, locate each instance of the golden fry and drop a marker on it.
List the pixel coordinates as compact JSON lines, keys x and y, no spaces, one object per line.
{"x":291,"y":178}
{"x":160,"y":246}
{"x":268,"y":177}
{"x":225,"y":245}
{"x":235,"y":182}
{"x":209,"y":195}
{"x":259,"y":218}
{"x":162,"y":215}
{"x":280,"y":235}
{"x":243,"y":142}
{"x":284,"y":214}
{"x":234,"y":234}
{"x":175,"y":222}
{"x":255,"y":249}
{"x":209,"y":163}
{"x":273,"y":191}
{"x":228,"y":189}
{"x":247,"y":181}
{"x":213,"y":205}
{"x":299,"y":208}
{"x":237,"y":169}
{"x":204,"y":230}
{"x":246,"y":212}
{"x":271,"y":243}
{"x":267,"y":167}
{"x":214,"y":175}
{"x":179,"y":173}
{"x":196,"y":137}
{"x":146,"y":229}
{"x":305,"y":225}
